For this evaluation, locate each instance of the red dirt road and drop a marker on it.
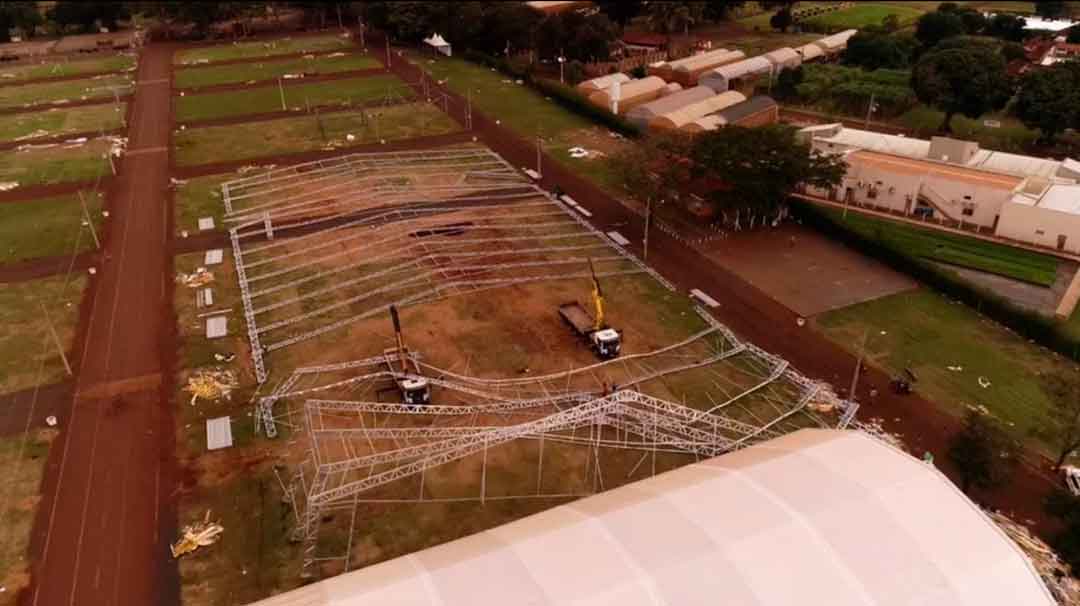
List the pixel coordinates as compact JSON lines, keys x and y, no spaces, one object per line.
{"x":102,"y":531}
{"x":757,"y":317}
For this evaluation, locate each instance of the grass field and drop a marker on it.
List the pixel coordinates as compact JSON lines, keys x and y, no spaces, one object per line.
{"x":41,"y":166}
{"x":256,"y":139}
{"x":928,"y":333}
{"x":24,"y":465}
{"x":194,"y":77}
{"x":863,"y":14}
{"x":1010,"y":136}
{"x":65,"y":67}
{"x":27,"y":357}
{"x":972,"y":253}
{"x":200,"y":197}
{"x":268,"y":98}
{"x":46,"y":227}
{"x":53,"y":122}
{"x":66,"y":90}
{"x":254,"y":50}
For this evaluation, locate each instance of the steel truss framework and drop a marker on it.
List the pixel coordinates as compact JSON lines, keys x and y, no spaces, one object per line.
{"x":365,"y":231}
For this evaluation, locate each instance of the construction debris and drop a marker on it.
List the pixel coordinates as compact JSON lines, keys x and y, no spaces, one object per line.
{"x":1055,"y":574}
{"x":34,"y":135}
{"x":194,"y":536}
{"x":51,"y":420}
{"x":211,"y":385}
{"x":200,"y":277}
{"x":984,"y":382}
{"x":8,"y":185}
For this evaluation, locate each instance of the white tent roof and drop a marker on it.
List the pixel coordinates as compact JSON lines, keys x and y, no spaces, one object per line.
{"x":809,"y":51}
{"x":784,"y":57}
{"x":814,"y":517}
{"x":436,"y":40}
{"x":719,"y":79}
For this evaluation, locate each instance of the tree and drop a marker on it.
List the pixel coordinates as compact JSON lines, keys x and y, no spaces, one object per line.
{"x":1006,"y":27}
{"x":872,"y":50}
{"x":199,"y":15}
{"x":1064,"y":506}
{"x":934,"y":27}
{"x":1049,"y":99}
{"x":1074,"y":35}
{"x":668,"y":17}
{"x":766,"y":163}
{"x":787,"y":83}
{"x":1062,"y":428}
{"x":890,"y":23}
{"x":974,"y":21}
{"x":720,"y":11}
{"x":23,"y":16}
{"x":621,"y":11}
{"x":1051,"y":10}
{"x":967,"y":81}
{"x":781,"y":20}
{"x":983,"y":455}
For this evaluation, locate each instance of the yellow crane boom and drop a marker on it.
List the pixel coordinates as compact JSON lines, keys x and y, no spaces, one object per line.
{"x":598,"y":299}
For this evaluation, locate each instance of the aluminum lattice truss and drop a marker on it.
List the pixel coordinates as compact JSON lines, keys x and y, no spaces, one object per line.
{"x":327,"y":244}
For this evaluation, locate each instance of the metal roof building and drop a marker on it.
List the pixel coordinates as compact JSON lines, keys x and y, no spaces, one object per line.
{"x":836,"y":42}
{"x":688,"y":113}
{"x":720,"y":79}
{"x":810,"y":52}
{"x":784,"y":58}
{"x":601,"y":83}
{"x":688,"y":70}
{"x":634,"y":92}
{"x":813,"y":517}
{"x":642,"y":115}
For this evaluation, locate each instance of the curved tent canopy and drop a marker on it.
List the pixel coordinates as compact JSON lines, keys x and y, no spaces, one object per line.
{"x":643,"y":114}
{"x":632,"y":93}
{"x":784,"y":58}
{"x":719,"y":79}
{"x":684,"y":115}
{"x":602,"y":83}
{"x":813,"y":517}
{"x":809,"y":52}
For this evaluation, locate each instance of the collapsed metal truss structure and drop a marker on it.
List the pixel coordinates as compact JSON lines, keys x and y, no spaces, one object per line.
{"x":369,"y":230}
{"x":366,"y":231}
{"x":361,"y":450}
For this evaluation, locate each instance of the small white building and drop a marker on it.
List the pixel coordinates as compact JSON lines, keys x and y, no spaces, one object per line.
{"x":1022,"y":198}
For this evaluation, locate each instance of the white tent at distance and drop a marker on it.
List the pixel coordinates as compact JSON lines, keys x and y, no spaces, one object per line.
{"x":438,"y":43}
{"x":816,"y":517}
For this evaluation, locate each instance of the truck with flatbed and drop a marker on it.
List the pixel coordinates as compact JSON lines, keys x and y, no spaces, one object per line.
{"x":604,"y":340}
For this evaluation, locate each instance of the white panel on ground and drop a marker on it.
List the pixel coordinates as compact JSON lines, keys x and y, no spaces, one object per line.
{"x":206,"y":297}
{"x":218,"y":433}
{"x":213,"y":257}
{"x":581,"y":209}
{"x":618,"y":238}
{"x":705,"y":299}
{"x":568,"y":200}
{"x":216,"y":327}
{"x":535,"y":176}
{"x":206,"y":223}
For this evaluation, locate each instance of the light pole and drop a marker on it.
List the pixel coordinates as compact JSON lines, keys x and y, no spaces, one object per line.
{"x":562,"y":62}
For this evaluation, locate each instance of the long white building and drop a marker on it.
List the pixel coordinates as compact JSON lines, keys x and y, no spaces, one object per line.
{"x":1027,"y":199}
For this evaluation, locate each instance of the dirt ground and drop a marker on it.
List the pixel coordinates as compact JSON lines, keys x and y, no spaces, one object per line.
{"x":805,"y":271}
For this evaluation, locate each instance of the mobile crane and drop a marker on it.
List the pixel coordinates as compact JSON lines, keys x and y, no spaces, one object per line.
{"x":415,"y":389}
{"x":602,"y":339}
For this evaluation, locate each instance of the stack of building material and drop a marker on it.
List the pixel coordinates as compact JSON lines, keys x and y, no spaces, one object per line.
{"x":687,"y":71}
{"x":836,"y":43}
{"x":643,"y":114}
{"x":688,"y":113}
{"x":589,"y":87}
{"x":810,"y":52}
{"x":721,"y":78}
{"x":628,"y":95}
{"x":784,"y":58}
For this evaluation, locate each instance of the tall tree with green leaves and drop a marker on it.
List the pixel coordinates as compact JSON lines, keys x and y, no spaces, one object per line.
{"x":621,"y":11}
{"x":1049,"y":9}
{"x":670,"y":17}
{"x":870,"y":49}
{"x":969,"y":81}
{"x":1061,"y":428}
{"x":23,"y":16}
{"x":983,"y":454}
{"x":764,"y":166}
{"x":936,"y":26}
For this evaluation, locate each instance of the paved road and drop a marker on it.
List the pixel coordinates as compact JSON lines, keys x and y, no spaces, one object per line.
{"x":753,"y":314}
{"x":103,"y":528}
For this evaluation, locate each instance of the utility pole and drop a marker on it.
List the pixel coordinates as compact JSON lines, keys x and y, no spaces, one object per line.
{"x":538,"y":171}
{"x":562,"y":62}
{"x":281,"y":91}
{"x":387,"y":50}
{"x":56,"y":339}
{"x":468,"y":109}
{"x":648,"y":221}
{"x":89,"y":221}
{"x":858,"y":365}
{"x":869,"y":110}
{"x":362,"y":45}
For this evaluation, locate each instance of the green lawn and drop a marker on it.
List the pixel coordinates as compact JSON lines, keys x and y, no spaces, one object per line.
{"x":256,"y":139}
{"x":194,"y":77}
{"x":863,"y":14}
{"x":46,"y":227}
{"x":1010,"y":136}
{"x":65,"y":67}
{"x":517,"y":106}
{"x":1032,"y":267}
{"x":43,"y":166}
{"x":200,"y":197}
{"x":268,"y":98}
{"x":24,"y":331}
{"x":23,"y":458}
{"x":928,"y":333}
{"x":67,"y":90}
{"x":254,"y":50}
{"x":62,"y":121}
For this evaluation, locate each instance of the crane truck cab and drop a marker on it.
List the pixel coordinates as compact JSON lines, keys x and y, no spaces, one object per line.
{"x":415,"y":391}
{"x":606,"y":342}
